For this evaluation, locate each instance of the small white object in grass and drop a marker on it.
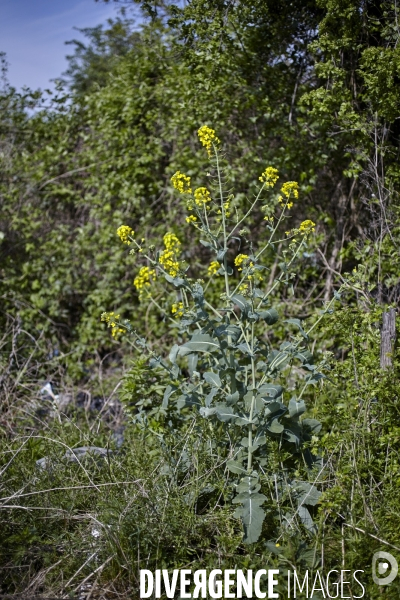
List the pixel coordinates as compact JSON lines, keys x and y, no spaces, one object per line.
{"x":47,"y":390}
{"x":95,"y":533}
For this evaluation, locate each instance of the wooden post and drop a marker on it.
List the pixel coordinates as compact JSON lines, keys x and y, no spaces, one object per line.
{"x":388,"y":338}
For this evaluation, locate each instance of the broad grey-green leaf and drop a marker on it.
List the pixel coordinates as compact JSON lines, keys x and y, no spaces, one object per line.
{"x":305,"y":356}
{"x":292,"y":433}
{"x":169,"y":390}
{"x":200,"y":342}
{"x":275,"y":407}
{"x":176,"y":281}
{"x":242,"y":421}
{"x":221,"y":255}
{"x":232,"y":398}
{"x":192,"y":363}
{"x":275,"y":426}
{"x":241,"y":302}
{"x":261,"y":366}
{"x":212,"y":378}
{"x":187,"y":400}
{"x":296,"y":409}
{"x":250,"y":511}
{"x":244,"y":347}
{"x":313,"y":378}
{"x":155,"y":362}
{"x":205,"y":411}
{"x":259,"y":441}
{"x":226,"y":413}
{"x":173,"y":353}
{"x":236,"y":466}
{"x":175,"y":371}
{"x":307,"y":493}
{"x":298,"y":324}
{"x":252,"y":316}
{"x":210,"y":396}
{"x":270,"y":316}
{"x":272,"y":547}
{"x":278,"y":360}
{"x":312,"y":424}
{"x":306,"y":519}
{"x":234,"y":331}
{"x":271,"y":390}
{"x":198,"y":296}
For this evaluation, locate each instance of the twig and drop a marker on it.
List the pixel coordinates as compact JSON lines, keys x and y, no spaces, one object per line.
{"x":372,"y":535}
{"x":94,"y":572}
{"x":73,"y":487}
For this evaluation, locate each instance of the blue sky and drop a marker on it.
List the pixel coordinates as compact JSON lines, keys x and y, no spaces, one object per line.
{"x":33,"y":32}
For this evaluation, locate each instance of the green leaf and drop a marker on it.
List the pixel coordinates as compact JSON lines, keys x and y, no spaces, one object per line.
{"x":225,"y":413}
{"x":205,"y":411}
{"x":241,"y":302}
{"x":212,"y":378}
{"x":307,"y":493}
{"x":305,"y":356}
{"x":210,"y":396}
{"x":168,"y":392}
{"x":221,"y":255}
{"x":278,"y":360}
{"x":232,"y":398}
{"x":173,"y":353}
{"x":176,"y":281}
{"x":271,"y":390}
{"x":298,"y":324}
{"x":292,"y":435}
{"x":270,"y":316}
{"x":275,"y":426}
{"x":236,"y":467}
{"x":306,"y":519}
{"x":192,"y":363}
{"x":198,"y":297}
{"x":275,"y":407}
{"x":312,"y":425}
{"x":200,"y":342}
{"x":271,"y":547}
{"x":244,"y":347}
{"x":250,"y":511}
{"x":296,"y":409}
{"x":234,"y":331}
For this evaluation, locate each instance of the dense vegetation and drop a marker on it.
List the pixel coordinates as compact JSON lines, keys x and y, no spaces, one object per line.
{"x":311,"y":88}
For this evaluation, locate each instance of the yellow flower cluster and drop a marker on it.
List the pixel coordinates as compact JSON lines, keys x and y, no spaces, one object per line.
{"x":208,"y":138}
{"x":142,"y":279}
{"x":269,"y":177}
{"x":213,"y":268}
{"x":177,"y":309}
{"x":290,"y":187}
{"x":181,"y":183}
{"x":191,"y":219}
{"x":307,"y":226}
{"x":283,"y":202}
{"x":124,"y":232}
{"x":227,"y":207}
{"x":168,"y":258}
{"x":201,"y":196}
{"x":112,"y":321}
{"x":240,"y":259}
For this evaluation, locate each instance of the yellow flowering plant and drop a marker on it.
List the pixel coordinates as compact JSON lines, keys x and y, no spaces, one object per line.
{"x":225,"y":369}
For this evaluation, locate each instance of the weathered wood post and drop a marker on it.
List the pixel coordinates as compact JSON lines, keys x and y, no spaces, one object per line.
{"x":388,"y":338}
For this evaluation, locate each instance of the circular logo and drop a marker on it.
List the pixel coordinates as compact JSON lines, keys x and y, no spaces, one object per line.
{"x":381,"y":562}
